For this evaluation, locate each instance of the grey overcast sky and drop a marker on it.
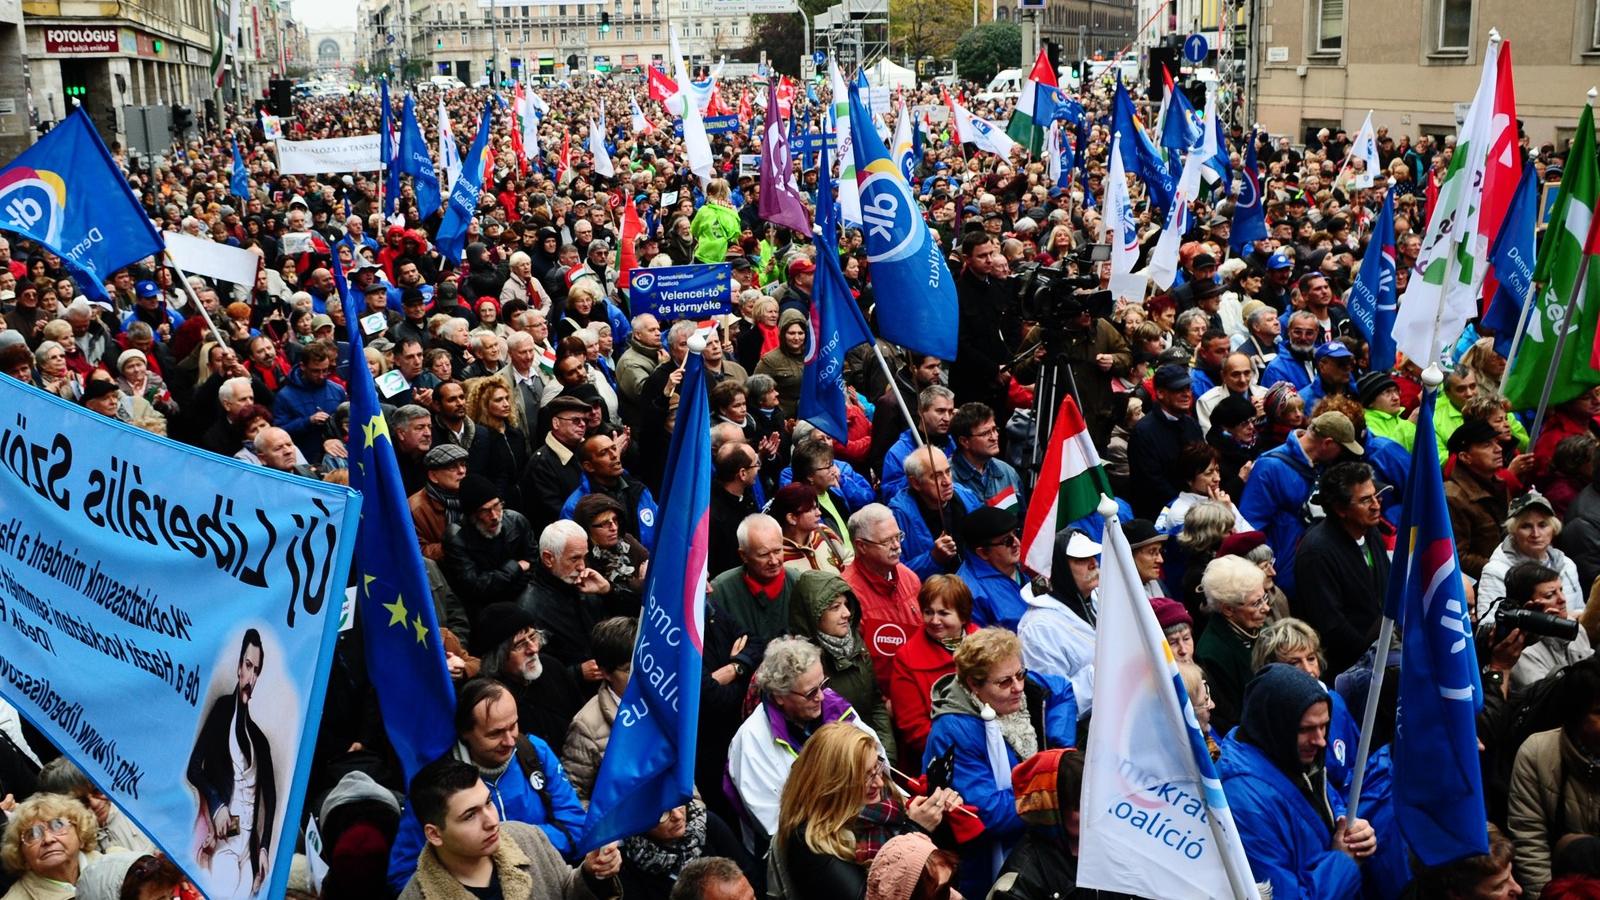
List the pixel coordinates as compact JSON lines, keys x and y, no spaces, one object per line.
{"x":318,"y":14}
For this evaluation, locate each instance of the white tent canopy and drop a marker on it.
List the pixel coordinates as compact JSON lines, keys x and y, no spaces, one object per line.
{"x":887,"y":74}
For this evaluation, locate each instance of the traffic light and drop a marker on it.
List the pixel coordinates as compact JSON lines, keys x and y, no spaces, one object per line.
{"x":76,"y":90}
{"x":182,"y":119}
{"x":605,"y":22}
{"x":156,"y":45}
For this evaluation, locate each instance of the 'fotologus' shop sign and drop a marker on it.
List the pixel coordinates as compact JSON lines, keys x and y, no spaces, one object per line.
{"x":73,"y":41}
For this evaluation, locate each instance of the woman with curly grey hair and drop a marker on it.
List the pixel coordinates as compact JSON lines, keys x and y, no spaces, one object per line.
{"x":795,"y":702}
{"x":1236,"y":596}
{"x":48,"y":840}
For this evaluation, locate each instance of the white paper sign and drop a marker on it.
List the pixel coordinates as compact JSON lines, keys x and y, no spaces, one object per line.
{"x":346,"y":154}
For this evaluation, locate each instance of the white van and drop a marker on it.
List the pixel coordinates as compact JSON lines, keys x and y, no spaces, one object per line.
{"x":1005,"y":85}
{"x":445,"y":82}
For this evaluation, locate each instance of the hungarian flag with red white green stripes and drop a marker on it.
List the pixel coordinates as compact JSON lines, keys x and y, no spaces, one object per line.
{"x":1035,"y":107}
{"x":1071,"y":481}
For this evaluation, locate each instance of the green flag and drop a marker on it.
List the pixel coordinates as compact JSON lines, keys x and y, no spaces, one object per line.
{"x":1558,"y":299}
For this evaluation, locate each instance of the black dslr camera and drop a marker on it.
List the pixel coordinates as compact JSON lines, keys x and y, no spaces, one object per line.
{"x":1532,"y":622}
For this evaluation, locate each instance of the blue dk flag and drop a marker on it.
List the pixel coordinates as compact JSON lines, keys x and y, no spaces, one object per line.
{"x":916,"y":294}
{"x":1373,"y":298}
{"x":463,"y":202}
{"x":239,"y":183}
{"x":837,"y":325}
{"x":648,"y":767}
{"x":1139,"y":154}
{"x":416,"y":162}
{"x":1437,"y":785}
{"x":67,"y":194}
{"x":1249,"y":217}
{"x":394,"y":605}
{"x":391,"y":189}
{"x":1512,"y":263}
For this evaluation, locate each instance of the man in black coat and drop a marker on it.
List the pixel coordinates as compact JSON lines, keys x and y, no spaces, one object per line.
{"x":987,"y":338}
{"x":553,"y":472}
{"x":488,"y":554}
{"x":567,"y":599}
{"x":1158,"y":438}
{"x":1341,"y":567}
{"x":238,"y":827}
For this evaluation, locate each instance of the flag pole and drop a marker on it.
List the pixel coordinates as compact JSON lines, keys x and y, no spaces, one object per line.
{"x":1561,"y":345}
{"x":899,"y":399}
{"x":1522,"y":326}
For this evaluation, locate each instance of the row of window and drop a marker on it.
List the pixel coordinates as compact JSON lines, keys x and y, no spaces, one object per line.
{"x":616,"y":34}
{"x":1449,"y":25}
{"x":544,"y":11}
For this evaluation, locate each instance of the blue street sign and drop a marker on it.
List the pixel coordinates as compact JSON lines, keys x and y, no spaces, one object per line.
{"x":1195,"y":48}
{"x":819,"y":58}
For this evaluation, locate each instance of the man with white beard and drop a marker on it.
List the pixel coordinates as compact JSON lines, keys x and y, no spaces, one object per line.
{"x":567,"y":599}
{"x":507,"y":638}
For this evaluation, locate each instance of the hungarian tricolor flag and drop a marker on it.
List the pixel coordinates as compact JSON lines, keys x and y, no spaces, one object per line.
{"x":1036,"y":107}
{"x":516,"y":133}
{"x":1071,"y":481}
{"x":1006,"y":499}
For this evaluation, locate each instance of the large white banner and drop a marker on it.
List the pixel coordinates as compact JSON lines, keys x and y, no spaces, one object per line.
{"x":346,"y":154}
{"x":203,"y":256}
{"x":167,"y":618}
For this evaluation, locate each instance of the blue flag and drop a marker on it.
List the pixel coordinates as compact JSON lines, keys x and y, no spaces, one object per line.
{"x":416,"y":161}
{"x":239,"y":184}
{"x":1221,"y":162}
{"x":1372,"y":303}
{"x":66,"y":193}
{"x":915,"y":290}
{"x":1139,"y":154}
{"x":916,"y":140}
{"x":391,"y":189}
{"x":836,"y":323}
{"x":1180,"y":133}
{"x":648,"y":767}
{"x":1437,"y":785}
{"x":394,"y":604}
{"x":463,"y":203}
{"x":1511,"y":263}
{"x":1249,"y":216}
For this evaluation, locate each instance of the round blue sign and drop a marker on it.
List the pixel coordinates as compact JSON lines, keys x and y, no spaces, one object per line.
{"x":1195,"y":48}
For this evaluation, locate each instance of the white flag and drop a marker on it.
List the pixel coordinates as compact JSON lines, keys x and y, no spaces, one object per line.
{"x":903,"y":144}
{"x":639,"y":123}
{"x":985,"y":134}
{"x":1163,"y":265}
{"x":1155,"y":822}
{"x":530,"y":125}
{"x":695,"y":142}
{"x":1366,"y":149}
{"x":839,"y":118}
{"x":1448,"y":278}
{"x":1052,"y":153}
{"x":449,"y":153}
{"x":1122,"y":231}
{"x":597,"y":148}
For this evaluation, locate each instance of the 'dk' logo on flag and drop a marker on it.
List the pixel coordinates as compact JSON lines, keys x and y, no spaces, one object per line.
{"x":1372,"y":297}
{"x":66,"y":193}
{"x":648,"y":767}
{"x":916,"y":295}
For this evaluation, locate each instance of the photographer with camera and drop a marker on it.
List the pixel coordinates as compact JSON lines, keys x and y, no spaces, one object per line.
{"x":1533,"y":602}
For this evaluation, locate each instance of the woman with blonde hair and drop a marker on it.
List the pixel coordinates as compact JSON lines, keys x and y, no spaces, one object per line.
{"x":498,"y":451}
{"x":715,"y":226}
{"x":1236,"y":595}
{"x":48,"y":840}
{"x":1293,"y":642}
{"x":838,"y":809}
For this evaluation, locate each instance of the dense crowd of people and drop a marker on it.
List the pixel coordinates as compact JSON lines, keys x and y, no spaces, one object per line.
{"x":869,"y":618}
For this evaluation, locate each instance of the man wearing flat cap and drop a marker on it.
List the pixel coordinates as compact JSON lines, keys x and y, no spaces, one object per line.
{"x":553,"y":471}
{"x":1477,"y":497}
{"x":1157,"y":439}
{"x":437,"y":505}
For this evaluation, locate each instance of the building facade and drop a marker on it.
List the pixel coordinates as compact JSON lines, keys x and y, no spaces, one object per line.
{"x":1416,"y":63}
{"x":465,"y":39}
{"x":111,"y":55}
{"x":16,"y":124}
{"x":332,"y":51}
{"x":1082,"y":29}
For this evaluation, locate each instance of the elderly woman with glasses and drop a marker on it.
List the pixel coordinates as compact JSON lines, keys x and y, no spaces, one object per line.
{"x":795,"y":702}
{"x":991,"y":704}
{"x":48,"y":840}
{"x":1236,"y":596}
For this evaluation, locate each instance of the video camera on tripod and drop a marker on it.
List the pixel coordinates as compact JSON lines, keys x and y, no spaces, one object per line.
{"x":1055,"y":297}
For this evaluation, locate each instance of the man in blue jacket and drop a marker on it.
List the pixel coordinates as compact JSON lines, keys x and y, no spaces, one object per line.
{"x":930,"y":509}
{"x":992,"y":567}
{"x":524,"y":776}
{"x":936,"y":406}
{"x":308,"y":399}
{"x":1281,"y":483}
{"x":1294,"y":360}
{"x":1294,"y":829}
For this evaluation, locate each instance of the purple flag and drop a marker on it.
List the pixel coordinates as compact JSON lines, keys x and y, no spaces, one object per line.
{"x":779,"y":202}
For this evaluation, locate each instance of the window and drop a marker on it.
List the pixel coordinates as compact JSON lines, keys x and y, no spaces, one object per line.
{"x":638,"y":32}
{"x":1455,"y":26}
{"x":463,"y":38}
{"x":655,"y":31}
{"x":1330,"y":26}
{"x":1594,"y":30}
{"x":544,"y":35}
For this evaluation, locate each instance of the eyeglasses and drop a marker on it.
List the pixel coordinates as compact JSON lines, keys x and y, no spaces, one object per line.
{"x":36,"y":834}
{"x":1009,"y":680}
{"x":812,"y":694}
{"x":985,"y":432}
{"x":1010,"y":540}
{"x":571,"y":420}
{"x":893,"y":540}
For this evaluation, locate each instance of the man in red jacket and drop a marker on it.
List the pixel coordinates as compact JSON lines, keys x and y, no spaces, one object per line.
{"x":886,"y":588}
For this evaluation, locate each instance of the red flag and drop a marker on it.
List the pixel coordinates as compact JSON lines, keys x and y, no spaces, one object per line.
{"x":632,"y":227}
{"x":516,"y":134}
{"x":786,"y":94}
{"x":745,"y":111}
{"x":661,"y":87}
{"x":566,"y":157}
{"x":1503,"y":168}
{"x":715,"y":106}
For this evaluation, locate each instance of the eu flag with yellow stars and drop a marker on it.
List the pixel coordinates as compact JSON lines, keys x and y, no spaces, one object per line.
{"x":405,"y":653}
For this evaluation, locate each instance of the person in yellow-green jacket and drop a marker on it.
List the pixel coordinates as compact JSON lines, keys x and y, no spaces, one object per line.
{"x":1380,"y":394}
{"x":1460,"y":388}
{"x":715,"y":225}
